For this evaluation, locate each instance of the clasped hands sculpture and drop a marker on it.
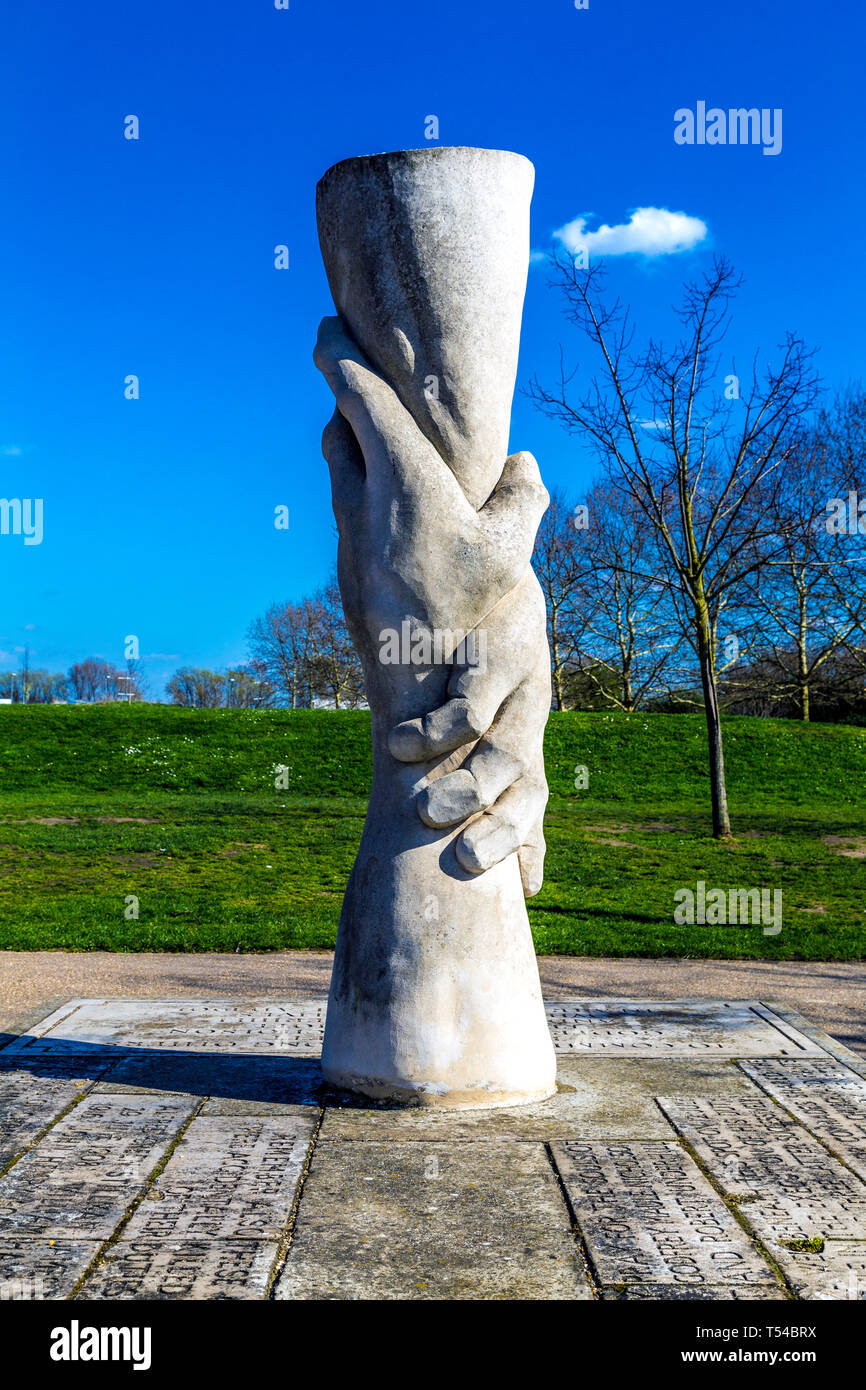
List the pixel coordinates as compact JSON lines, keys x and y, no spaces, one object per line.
{"x":411,"y":545}
{"x":435,"y":997}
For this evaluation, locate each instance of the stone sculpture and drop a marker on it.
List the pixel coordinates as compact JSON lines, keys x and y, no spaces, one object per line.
{"x":435,"y":997}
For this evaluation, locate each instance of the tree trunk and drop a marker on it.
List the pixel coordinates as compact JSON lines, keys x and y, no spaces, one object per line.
{"x":556,"y":668}
{"x":627,"y":692}
{"x":718,"y":789}
{"x":803,"y":661}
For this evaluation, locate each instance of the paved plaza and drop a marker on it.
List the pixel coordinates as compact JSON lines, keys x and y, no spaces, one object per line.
{"x":188,"y":1148}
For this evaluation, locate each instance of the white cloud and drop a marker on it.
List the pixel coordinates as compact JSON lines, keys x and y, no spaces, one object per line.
{"x":648,"y":232}
{"x":10,"y":450}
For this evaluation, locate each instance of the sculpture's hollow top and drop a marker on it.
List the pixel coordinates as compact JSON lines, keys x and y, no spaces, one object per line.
{"x":427,"y":253}
{"x":424,"y":152}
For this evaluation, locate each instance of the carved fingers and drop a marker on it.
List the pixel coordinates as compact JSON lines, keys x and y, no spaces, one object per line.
{"x":499,"y":791}
{"x":511,"y":514}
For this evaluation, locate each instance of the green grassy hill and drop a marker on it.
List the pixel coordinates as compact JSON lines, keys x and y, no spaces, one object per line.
{"x":178,"y":809}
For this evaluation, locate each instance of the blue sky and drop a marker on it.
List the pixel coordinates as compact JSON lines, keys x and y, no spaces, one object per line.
{"x":155,"y":257}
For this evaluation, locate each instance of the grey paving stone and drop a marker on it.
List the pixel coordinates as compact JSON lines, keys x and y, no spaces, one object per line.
{"x":425,"y":1204}
{"x":432,"y":1221}
{"x":649,"y":1216}
{"x":790,"y":1188}
{"x":230,"y":1176}
{"x":792,"y":1218}
{"x":755,"y":1150}
{"x":227,"y":1106}
{"x":681,"y":1028}
{"x":79,"y":1180}
{"x":28,"y":1102}
{"x":184,"y":1025}
{"x":654,"y":1293}
{"x":38,"y":1268}
{"x":602,"y":1098}
{"x":838,"y":1272}
{"x":185,"y":1269}
{"x":826,"y":1096}
{"x":850,"y":1020}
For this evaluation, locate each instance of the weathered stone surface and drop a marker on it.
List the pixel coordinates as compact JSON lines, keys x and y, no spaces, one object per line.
{"x":724,"y":1293}
{"x":827,"y":1097}
{"x":28,"y":1102}
{"x":81,"y":1177}
{"x":287,"y":1027}
{"x":228,"y":1177}
{"x":461,"y":1220}
{"x":649,"y":1216}
{"x":368,"y":1226}
{"x":36,"y":1268}
{"x":787,"y":1217}
{"x":229,"y":1106}
{"x":680,"y":1028}
{"x":599,"y":1098}
{"x":752,"y":1148}
{"x":42,"y":1023}
{"x":793,"y":1188}
{"x":838,"y":1272}
{"x":851,"y":1057}
{"x":185,"y":1269}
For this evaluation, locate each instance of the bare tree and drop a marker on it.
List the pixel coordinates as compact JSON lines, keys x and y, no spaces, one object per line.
{"x":196,"y":687}
{"x":280,"y":643}
{"x":700,"y":462}
{"x":247,"y":687}
{"x":562,"y":565}
{"x":94,"y":680}
{"x":630,"y":638}
{"x":43,"y":687}
{"x":335,"y":669}
{"x":810,"y":597}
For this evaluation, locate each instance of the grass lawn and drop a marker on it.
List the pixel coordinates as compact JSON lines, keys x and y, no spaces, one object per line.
{"x":178,"y":808}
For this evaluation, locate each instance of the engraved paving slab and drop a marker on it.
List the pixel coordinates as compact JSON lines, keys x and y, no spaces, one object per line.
{"x":186,"y":1269}
{"x":181,"y":1025}
{"x":34,"y":1267}
{"x":649,"y":1216}
{"x":79,"y":1180}
{"x":826,"y":1096}
{"x":619,"y":1027}
{"x":836,"y":1272}
{"x":28,"y":1102}
{"x":793,"y":1190}
{"x":230,"y":1176}
{"x":686,"y":1028}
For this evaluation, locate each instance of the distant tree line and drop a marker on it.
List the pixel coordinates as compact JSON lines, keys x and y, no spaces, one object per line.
{"x":89,"y":682}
